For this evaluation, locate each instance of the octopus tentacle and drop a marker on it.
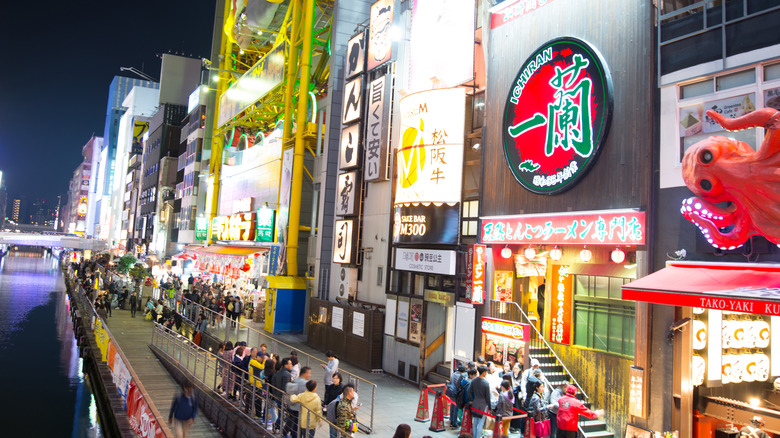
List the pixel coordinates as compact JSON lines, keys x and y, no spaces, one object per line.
{"x":767,"y":118}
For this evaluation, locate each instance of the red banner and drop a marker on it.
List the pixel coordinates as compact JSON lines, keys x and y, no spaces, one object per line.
{"x":469,"y":272}
{"x":606,"y":227}
{"x":141,"y":418}
{"x":478,"y":276}
{"x":561,"y":292}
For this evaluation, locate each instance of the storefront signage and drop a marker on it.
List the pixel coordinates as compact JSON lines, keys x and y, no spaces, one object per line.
{"x":347,"y":198}
{"x":273,"y":259}
{"x":380,"y":43}
{"x":469,"y":272}
{"x":515,"y":330}
{"x":636,"y":393}
{"x":201,"y":228}
{"x":430,"y":151}
{"x":353,"y":100}
{"x":266,"y":222}
{"x":344,"y":241}
{"x":264,"y":76}
{"x":379,"y":98}
{"x":349,"y":150}
{"x":82,"y":206}
{"x":440,"y":296}
{"x":242,"y":205}
{"x":425,"y":261}
{"x":502,"y":286}
{"x":419,"y":223}
{"x":606,"y":227}
{"x":442,"y":44}
{"x":557,"y":116}
{"x":504,"y":13}
{"x":235,"y":227}
{"x":478,"y":278}
{"x":356,"y":55}
{"x":562,"y":294}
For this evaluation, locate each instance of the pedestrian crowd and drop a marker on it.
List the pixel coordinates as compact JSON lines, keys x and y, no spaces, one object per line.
{"x":488,"y":392}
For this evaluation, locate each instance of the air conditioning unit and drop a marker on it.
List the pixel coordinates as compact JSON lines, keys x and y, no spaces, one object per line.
{"x":348,"y":282}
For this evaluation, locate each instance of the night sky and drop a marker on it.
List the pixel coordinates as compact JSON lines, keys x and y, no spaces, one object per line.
{"x":58,"y":59}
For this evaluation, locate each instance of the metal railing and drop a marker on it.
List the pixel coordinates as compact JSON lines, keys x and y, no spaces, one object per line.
{"x":268,"y":407}
{"x":224,"y":328}
{"x":537,"y":340}
{"x":89,"y":313}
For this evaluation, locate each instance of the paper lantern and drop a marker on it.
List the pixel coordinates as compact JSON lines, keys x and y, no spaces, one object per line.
{"x":506,"y":252}
{"x":699,"y":335}
{"x":529,"y":253}
{"x":556,"y":254}
{"x":618,"y":256}
{"x":586,"y":255}
{"x":699,"y":367}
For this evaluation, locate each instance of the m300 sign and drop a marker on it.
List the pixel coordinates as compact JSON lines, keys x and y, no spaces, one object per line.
{"x":557,"y":115}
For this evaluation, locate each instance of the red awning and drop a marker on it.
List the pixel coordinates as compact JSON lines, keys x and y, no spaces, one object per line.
{"x":737,"y":287}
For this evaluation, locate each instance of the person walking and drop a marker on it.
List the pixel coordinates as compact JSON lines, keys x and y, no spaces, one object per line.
{"x":184,"y":408}
{"x":133,"y":304}
{"x":569,"y":411}
{"x":552,"y":410}
{"x":536,"y":406}
{"x":479,"y":396}
{"x":330,"y":368}
{"x":310,"y":407}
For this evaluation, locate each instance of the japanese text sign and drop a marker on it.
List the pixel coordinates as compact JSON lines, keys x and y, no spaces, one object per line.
{"x":561,"y":294}
{"x":347,"y":198}
{"x":349,"y":151}
{"x":636,"y":392}
{"x":508,"y":11}
{"x":201,"y":228}
{"x":345,"y":241}
{"x":420,"y":223}
{"x":353,"y":100}
{"x":509,"y":329}
{"x":478,"y":275}
{"x":557,"y":116}
{"x":606,"y":227}
{"x":429,"y":261}
{"x":356,"y":55}
{"x":266,"y":221}
{"x":430,"y":153}
{"x":237,"y":227}
{"x":380,"y":43}
{"x":379,"y":98}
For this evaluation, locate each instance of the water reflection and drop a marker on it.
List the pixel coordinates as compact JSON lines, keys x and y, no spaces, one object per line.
{"x":40,"y":369}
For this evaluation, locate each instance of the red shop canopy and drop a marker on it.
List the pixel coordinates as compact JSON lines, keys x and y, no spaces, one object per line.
{"x":737,"y":287}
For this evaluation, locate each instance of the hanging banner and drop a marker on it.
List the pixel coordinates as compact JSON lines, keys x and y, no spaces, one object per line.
{"x":377,"y":129}
{"x":101,"y":339}
{"x":356,"y":55}
{"x":380,"y":43}
{"x":557,"y":116}
{"x":430,"y":153}
{"x":562,"y":296}
{"x":141,"y":418}
{"x":478,"y":278}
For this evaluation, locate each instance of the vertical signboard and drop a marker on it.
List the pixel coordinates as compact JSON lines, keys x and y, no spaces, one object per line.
{"x":502,"y":286}
{"x":349,"y":149}
{"x":353,"y":100}
{"x":478,"y":277}
{"x":561,"y":291}
{"x":266,"y":219}
{"x":344,"y":241}
{"x":347,"y":201}
{"x":356,"y":55}
{"x":201,"y":228}
{"x":469,"y":272}
{"x":377,"y":127}
{"x":380,"y":43}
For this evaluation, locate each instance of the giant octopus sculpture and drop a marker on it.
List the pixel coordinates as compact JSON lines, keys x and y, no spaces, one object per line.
{"x":746,"y":183}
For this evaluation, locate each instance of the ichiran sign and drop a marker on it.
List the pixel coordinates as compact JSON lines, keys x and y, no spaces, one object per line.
{"x":557,"y":115}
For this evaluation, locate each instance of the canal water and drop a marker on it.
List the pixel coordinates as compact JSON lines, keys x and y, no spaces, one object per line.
{"x":45,"y":391}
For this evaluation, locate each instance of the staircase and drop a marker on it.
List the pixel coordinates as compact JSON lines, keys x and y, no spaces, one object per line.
{"x":440,"y":374}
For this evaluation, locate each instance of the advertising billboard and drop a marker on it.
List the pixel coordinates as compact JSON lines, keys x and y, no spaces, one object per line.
{"x":430,"y":152}
{"x":442,"y":44}
{"x":426,"y":223}
{"x":380,"y":43}
{"x":377,"y":129}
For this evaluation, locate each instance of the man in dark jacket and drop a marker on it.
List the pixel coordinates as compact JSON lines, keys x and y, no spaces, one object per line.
{"x":279,"y":383}
{"x":452,"y":392}
{"x":184,"y":408}
{"x":133,"y":304}
{"x":479,"y":396}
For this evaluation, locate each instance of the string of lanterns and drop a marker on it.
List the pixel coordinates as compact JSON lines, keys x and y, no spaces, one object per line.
{"x":617,"y":255}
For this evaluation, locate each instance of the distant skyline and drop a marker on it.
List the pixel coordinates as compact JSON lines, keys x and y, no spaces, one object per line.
{"x":59,"y":62}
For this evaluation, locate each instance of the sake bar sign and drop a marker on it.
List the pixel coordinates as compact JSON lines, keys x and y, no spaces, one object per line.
{"x":557,"y":116}
{"x":605,"y":227}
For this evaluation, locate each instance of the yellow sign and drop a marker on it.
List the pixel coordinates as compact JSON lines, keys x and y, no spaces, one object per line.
{"x":101,"y":338}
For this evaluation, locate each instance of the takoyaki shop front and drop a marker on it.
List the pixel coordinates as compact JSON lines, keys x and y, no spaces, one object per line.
{"x":725,"y":341}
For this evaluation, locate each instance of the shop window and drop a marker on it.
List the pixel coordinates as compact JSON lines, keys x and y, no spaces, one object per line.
{"x":696,"y":89}
{"x":602,"y":320}
{"x":433,"y":281}
{"x":470,"y":220}
{"x":448,"y":283}
{"x":419,"y":284}
{"x":772,"y":72}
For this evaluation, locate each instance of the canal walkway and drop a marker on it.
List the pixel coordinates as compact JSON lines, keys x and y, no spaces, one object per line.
{"x":133,"y":336}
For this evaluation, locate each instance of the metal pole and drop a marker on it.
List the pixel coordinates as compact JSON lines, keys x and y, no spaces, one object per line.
{"x":297,"y":176}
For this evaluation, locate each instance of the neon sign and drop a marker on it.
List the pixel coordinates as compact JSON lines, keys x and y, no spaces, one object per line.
{"x":560,"y":329}
{"x":606,"y":227}
{"x":557,"y":116}
{"x":478,"y":276}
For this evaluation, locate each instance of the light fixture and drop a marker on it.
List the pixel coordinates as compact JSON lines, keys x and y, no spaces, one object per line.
{"x":529,"y":252}
{"x":556,"y":254}
{"x":506,"y":252}
{"x":586,"y":255}
{"x":618,"y":256}
{"x":476,"y":146}
{"x":215,"y":78}
{"x":755,"y":402}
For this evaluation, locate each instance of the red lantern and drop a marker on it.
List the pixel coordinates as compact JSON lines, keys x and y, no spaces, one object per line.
{"x":246,"y":267}
{"x":586,"y":255}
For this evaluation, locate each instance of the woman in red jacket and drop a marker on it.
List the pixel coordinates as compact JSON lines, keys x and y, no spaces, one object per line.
{"x":569,"y":411}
